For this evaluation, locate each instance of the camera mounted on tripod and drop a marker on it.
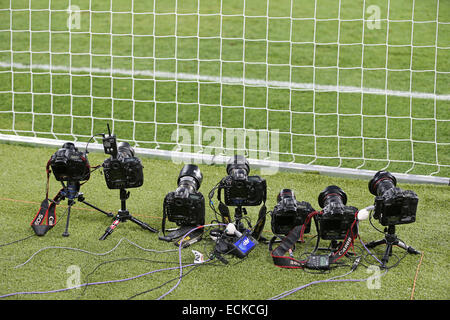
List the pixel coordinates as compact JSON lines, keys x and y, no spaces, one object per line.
{"x":393,"y":205}
{"x":69,"y":164}
{"x":241,"y":190}
{"x":122,"y":170}
{"x":185,"y":206}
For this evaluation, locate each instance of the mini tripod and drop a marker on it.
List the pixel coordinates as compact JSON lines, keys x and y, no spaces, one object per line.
{"x":123,"y":215}
{"x":71,"y":191}
{"x":390,"y":239}
{"x":239,"y":211}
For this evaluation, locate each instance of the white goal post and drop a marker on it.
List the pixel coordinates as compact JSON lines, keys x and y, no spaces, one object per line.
{"x":338,"y":87}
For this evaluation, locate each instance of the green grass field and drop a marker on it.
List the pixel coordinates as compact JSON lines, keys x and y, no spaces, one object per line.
{"x":324,"y":127}
{"x":23,"y":182}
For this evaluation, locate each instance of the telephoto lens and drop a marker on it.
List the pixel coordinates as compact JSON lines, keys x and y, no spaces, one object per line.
{"x":124,"y":150}
{"x":189,"y":181}
{"x":285,"y":194}
{"x":238,"y":168}
{"x":186,"y":205}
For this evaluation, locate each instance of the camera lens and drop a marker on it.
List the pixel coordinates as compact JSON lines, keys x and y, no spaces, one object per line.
{"x":69,"y":145}
{"x":238,"y":167}
{"x":332,"y":194}
{"x":190,"y":176}
{"x":125,"y":150}
{"x":285,"y":193}
{"x":381,"y":182}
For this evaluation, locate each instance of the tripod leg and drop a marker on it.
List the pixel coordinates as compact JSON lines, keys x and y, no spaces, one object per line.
{"x":109,"y":214}
{"x":409,"y":249}
{"x":386,"y":256}
{"x":66,"y":231}
{"x":375,"y":243}
{"x":143,"y":224}
{"x":110,"y":229}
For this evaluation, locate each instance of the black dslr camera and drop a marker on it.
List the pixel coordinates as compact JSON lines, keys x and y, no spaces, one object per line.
{"x":392,"y":205}
{"x":69,"y":164}
{"x":122,"y":170}
{"x":240,"y":189}
{"x":336,"y":218}
{"x":186,"y":205}
{"x":289,"y":213}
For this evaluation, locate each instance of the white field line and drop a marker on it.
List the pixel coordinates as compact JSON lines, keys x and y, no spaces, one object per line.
{"x":226,"y":80}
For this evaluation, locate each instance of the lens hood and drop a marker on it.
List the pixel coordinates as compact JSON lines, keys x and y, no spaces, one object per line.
{"x":238,"y":162}
{"x":379,"y":176}
{"x":285,"y":193}
{"x":192,"y":171}
{"x":332,"y":191}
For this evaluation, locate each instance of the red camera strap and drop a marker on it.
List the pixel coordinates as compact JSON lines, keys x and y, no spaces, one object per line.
{"x":296,"y":234}
{"x":45,"y":218}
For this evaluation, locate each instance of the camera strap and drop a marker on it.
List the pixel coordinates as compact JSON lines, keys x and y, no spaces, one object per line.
{"x":259,"y":226}
{"x":287,"y":244}
{"x":45,"y":218}
{"x":347,"y":242}
{"x":223,"y":208}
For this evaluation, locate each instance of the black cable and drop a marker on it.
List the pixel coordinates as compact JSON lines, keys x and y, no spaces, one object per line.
{"x":90,"y":139}
{"x":15,"y":241}
{"x":31,"y":235}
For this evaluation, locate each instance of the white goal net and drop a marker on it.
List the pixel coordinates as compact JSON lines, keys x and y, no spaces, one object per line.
{"x":335,"y":86}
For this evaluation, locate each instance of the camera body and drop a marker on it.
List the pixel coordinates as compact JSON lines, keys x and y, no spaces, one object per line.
{"x":186,"y":205}
{"x":122,"y":170}
{"x":125,"y":170}
{"x":240,"y":189}
{"x":289,"y":213}
{"x":69,"y":164}
{"x":248,"y":192}
{"x":393,"y":205}
{"x":336,"y":218}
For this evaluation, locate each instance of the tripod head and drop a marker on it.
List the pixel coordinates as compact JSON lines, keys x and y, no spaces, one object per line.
{"x":71,"y":191}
